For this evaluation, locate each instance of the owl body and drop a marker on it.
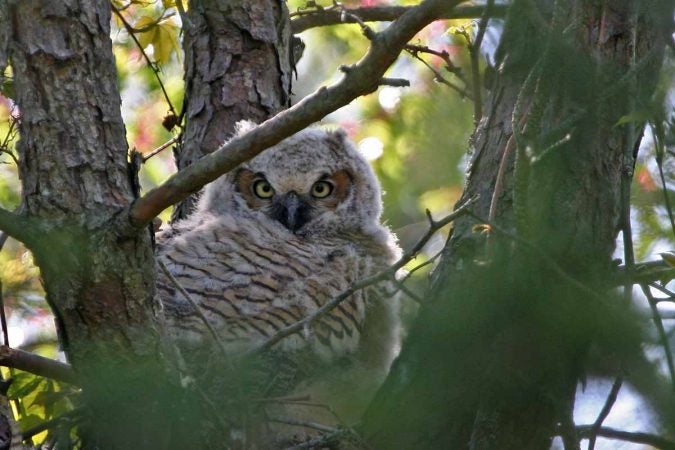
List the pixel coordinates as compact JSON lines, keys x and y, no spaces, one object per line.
{"x":273,"y":241}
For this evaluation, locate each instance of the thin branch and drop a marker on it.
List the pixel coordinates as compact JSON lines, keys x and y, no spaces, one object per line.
{"x":159,"y":149}
{"x":658,"y":148}
{"x":407,"y":291}
{"x":444,"y":55}
{"x":606,"y":408}
{"x":499,"y":181}
{"x":474,"y":52}
{"x":668,"y":292}
{"x":3,"y":318}
{"x":298,"y":423}
{"x":646,"y":272}
{"x":36,"y":364}
{"x":74,"y":415}
{"x":304,"y":20}
{"x":628,"y":436}
{"x":437,"y":75}
{"x":385,"y":274}
{"x":394,"y":82}
{"x":663,"y":338}
{"x":363,"y":78}
{"x":196,"y":308}
{"x":183,"y":15}
{"x":131,"y":30}
{"x":16,"y":226}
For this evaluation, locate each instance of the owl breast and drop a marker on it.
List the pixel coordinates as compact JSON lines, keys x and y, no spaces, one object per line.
{"x":252,"y":278}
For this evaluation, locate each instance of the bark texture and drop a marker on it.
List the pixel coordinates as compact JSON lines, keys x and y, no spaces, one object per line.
{"x":493,"y":360}
{"x":237,"y":66}
{"x":97,"y":271}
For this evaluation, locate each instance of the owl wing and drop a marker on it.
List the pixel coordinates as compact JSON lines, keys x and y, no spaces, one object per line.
{"x":251,"y":280}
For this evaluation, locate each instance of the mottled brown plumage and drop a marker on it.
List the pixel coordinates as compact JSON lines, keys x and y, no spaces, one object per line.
{"x":275,"y":239}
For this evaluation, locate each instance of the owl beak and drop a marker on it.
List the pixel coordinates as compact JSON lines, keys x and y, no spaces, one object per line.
{"x":292,"y":211}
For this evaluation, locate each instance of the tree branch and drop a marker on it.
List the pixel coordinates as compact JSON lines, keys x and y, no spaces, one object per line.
{"x":606,"y":409}
{"x":363,"y":78}
{"x":35,"y":364}
{"x":474,"y":50}
{"x":15,"y":226}
{"x":389,"y":272}
{"x":305,"y":20}
{"x":628,"y":436}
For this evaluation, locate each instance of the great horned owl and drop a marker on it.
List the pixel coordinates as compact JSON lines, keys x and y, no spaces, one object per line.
{"x":276,"y":238}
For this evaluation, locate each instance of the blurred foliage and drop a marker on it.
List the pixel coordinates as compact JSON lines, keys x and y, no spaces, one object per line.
{"x":417,"y":138}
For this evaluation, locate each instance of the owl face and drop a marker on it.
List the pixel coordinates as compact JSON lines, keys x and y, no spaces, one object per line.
{"x":297,"y":200}
{"x":312,"y":182}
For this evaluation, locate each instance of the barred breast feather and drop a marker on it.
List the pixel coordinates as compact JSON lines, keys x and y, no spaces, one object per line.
{"x":252,"y":278}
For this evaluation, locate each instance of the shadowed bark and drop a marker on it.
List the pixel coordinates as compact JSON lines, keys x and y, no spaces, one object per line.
{"x":99,"y":278}
{"x":493,"y":360}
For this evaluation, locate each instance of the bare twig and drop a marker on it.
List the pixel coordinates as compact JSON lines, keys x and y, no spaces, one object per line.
{"x":346,"y":15}
{"x":474,"y":51}
{"x":606,"y":408}
{"x":74,"y":416}
{"x":298,"y":423}
{"x":437,"y":75}
{"x":306,"y":19}
{"x":159,"y":149}
{"x":385,"y":274}
{"x":363,"y":78}
{"x":499,"y":181}
{"x":183,"y":15}
{"x":627,"y":436}
{"x":196,"y":308}
{"x":663,"y":338}
{"x":407,"y":291}
{"x":3,"y":318}
{"x":445,"y":56}
{"x":658,"y":149}
{"x":131,"y":30}
{"x":646,"y":272}
{"x":668,"y":292}
{"x":35,"y":364}
{"x":395,"y":82}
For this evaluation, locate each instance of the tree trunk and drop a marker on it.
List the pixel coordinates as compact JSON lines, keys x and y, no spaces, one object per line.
{"x":97,"y":270}
{"x":237,"y":67}
{"x":493,"y":359}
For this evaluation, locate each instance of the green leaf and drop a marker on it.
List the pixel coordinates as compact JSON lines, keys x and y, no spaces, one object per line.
{"x":635,"y":117}
{"x":29,"y":421}
{"x":23,"y":384}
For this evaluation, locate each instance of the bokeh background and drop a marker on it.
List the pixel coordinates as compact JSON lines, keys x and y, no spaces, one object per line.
{"x":417,"y":139}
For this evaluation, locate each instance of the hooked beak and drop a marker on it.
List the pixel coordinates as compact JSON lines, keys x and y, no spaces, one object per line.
{"x":291,"y":211}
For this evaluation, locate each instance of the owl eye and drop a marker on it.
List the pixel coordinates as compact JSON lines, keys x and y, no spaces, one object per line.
{"x":263,"y":189}
{"x":321,"y":189}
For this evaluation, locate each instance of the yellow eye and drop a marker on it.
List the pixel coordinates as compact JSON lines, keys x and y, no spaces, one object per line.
{"x":322,"y":189}
{"x":263,"y":189}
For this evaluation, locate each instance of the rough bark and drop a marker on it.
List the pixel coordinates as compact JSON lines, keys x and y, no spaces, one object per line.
{"x":98,"y":272}
{"x":493,"y":360}
{"x":237,"y":66}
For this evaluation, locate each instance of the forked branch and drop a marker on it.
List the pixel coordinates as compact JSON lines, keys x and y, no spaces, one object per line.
{"x":363,"y":78}
{"x":306,"y":19}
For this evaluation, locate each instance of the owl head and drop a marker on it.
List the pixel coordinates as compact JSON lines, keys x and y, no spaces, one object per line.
{"x":312,"y":182}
